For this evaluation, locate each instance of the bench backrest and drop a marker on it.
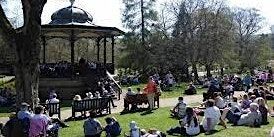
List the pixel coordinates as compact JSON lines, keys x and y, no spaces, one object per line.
{"x":54,"y":108}
{"x":89,"y":104}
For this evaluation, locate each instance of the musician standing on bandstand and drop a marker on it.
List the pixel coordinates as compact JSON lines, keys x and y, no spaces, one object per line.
{"x":150,"y":90}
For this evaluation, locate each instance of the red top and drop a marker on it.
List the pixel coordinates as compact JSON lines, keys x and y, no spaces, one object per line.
{"x":151,"y":87}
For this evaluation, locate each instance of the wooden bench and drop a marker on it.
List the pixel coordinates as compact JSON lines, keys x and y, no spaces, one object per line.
{"x":53,"y":108}
{"x":97,"y":104}
{"x":140,"y":99}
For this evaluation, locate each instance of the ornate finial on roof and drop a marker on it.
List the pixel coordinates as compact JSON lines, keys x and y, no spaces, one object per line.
{"x":72,"y":2}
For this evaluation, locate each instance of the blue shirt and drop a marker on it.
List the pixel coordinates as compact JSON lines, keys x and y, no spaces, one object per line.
{"x":24,"y":114}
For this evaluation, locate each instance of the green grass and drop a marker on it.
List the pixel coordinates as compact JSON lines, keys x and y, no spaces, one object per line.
{"x":175,"y":92}
{"x":160,"y":120}
{"x":5,"y":111}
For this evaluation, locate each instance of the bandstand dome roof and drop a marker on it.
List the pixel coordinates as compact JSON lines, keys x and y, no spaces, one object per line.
{"x":71,"y":15}
{"x":73,"y":19}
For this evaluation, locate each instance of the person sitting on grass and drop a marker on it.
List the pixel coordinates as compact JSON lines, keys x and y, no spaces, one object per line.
{"x":41,"y":123}
{"x":189,"y":125}
{"x":13,"y":128}
{"x":134,"y":129}
{"x":263,"y":109}
{"x":253,"y":118}
{"x":179,"y":111}
{"x":113,"y":128}
{"x":219,"y":101}
{"x":92,"y":126}
{"x":152,"y":132}
{"x":212,"y":117}
{"x":191,"y":89}
{"x":245,"y":103}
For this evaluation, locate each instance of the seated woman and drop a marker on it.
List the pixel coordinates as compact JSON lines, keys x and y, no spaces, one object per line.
{"x":252,"y":118}
{"x":179,"y":110}
{"x":41,"y":123}
{"x":263,"y":109}
{"x":191,"y":89}
{"x":219,"y":101}
{"x":245,"y":103}
{"x":188,"y":125}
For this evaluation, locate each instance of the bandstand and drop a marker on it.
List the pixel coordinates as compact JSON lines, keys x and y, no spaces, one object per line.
{"x":72,"y":23}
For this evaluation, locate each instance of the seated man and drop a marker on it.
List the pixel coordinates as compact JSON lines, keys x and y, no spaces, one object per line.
{"x":126,"y":104}
{"x":191,"y":90}
{"x":92,"y":126}
{"x":113,"y":128}
{"x":252,"y":118}
{"x":179,"y":110}
{"x":52,"y":100}
{"x":212,"y":117}
{"x":24,"y":112}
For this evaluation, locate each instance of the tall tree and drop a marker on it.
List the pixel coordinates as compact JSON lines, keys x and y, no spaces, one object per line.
{"x":247,"y":22}
{"x":139,"y":17}
{"x":26,"y":41}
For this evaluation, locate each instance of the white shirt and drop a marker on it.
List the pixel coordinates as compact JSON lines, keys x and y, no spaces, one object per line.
{"x":219,"y":102}
{"x":53,"y":100}
{"x":191,"y":129}
{"x":214,"y":114}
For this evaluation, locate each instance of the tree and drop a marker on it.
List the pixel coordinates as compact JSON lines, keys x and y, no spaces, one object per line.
{"x":247,"y":22}
{"x":138,"y":17}
{"x":216,"y":34}
{"x":26,"y":41}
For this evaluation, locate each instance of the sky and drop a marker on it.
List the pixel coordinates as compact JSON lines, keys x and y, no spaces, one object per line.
{"x":109,"y":12}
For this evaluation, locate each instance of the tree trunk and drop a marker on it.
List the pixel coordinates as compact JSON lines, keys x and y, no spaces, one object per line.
{"x":208,"y":69}
{"x":195,"y":71}
{"x":26,"y":68}
{"x":27,"y":46}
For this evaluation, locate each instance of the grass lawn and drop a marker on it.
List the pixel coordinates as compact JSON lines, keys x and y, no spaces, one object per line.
{"x":176,"y":91}
{"x":160,"y":120}
{"x":4,"y":111}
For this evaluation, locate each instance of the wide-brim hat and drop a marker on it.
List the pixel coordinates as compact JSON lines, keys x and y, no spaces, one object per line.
{"x":25,"y":104}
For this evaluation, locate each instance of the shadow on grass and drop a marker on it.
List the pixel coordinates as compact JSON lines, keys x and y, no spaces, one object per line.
{"x":79,"y":118}
{"x":143,"y":111}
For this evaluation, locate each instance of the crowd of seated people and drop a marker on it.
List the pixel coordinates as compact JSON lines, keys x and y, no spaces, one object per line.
{"x":65,"y":69}
{"x":28,"y":123}
{"x":249,"y":109}
{"x":56,"y":70}
{"x":6,"y":97}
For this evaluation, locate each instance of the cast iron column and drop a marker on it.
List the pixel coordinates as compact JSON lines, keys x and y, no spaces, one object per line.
{"x":98,"y":49}
{"x":44,"y":49}
{"x":112,"y":49}
{"x":105,"y":52}
{"x":72,"y":41}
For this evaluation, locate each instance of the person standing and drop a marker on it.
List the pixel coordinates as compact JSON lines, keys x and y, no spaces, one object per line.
{"x":150,"y":90}
{"x":247,"y":81}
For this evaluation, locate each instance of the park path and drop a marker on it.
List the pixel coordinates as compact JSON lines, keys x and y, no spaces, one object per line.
{"x":164,"y":102}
